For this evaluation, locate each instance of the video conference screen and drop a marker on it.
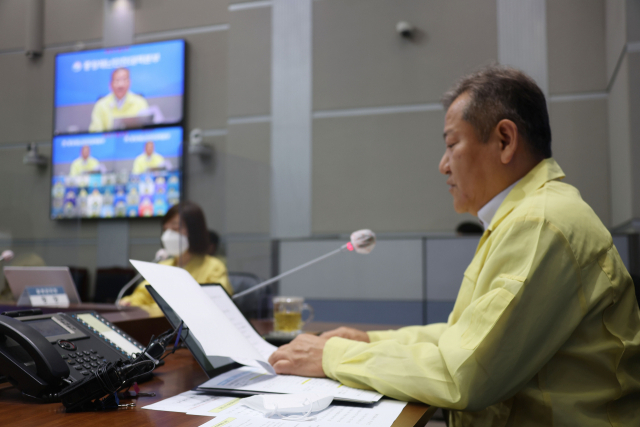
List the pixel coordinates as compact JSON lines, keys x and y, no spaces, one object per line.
{"x":129,"y":87}
{"x":135,"y":173}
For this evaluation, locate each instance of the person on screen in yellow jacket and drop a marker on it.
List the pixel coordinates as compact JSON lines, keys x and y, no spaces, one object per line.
{"x":119,"y":103}
{"x":545,"y":330}
{"x":149,"y":160}
{"x":186,"y":239}
{"x":85,"y":163}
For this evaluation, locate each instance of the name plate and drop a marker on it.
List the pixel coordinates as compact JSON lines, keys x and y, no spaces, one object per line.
{"x":44,"y":296}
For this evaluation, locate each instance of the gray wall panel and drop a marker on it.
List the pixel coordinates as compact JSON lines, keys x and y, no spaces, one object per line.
{"x":162,"y":15}
{"x":380,"y":172}
{"x":250,"y":62}
{"x":250,"y":257}
{"x":522,"y":38}
{"x":206,"y":100}
{"x":143,"y":252}
{"x":580,"y":145}
{"x":12,"y":24}
{"x":393,"y":271}
{"x":620,"y":147}
{"x":576,"y":46}
{"x":633,"y":20}
{"x":25,"y":209}
{"x":634,"y":127}
{"x":359,"y":60}
{"x":26,"y":110}
{"x":392,"y":313}
{"x":68,"y":21}
{"x":148,"y":227}
{"x":447,"y":260}
{"x":615,"y":33}
{"x":248,"y":180}
{"x":205,"y":183}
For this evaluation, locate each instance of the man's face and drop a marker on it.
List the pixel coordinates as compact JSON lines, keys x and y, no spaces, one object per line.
{"x":120,"y":83}
{"x":467,"y":161}
{"x":148,"y":148}
{"x":86,"y":152}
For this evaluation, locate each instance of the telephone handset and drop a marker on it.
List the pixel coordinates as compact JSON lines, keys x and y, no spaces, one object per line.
{"x":42,"y":372}
{"x":43,"y":354}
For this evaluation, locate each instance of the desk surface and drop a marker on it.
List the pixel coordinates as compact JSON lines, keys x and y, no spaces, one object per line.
{"x":180,"y":373}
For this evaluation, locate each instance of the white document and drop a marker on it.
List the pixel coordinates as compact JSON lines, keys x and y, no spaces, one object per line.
{"x":215,"y":332}
{"x":188,"y":401}
{"x":254,"y":380}
{"x":226,"y":305}
{"x":381,"y":414}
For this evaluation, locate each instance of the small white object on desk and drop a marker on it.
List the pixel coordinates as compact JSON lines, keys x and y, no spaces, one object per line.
{"x":380,"y":414}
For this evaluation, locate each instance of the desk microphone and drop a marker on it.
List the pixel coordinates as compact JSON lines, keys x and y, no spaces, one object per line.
{"x":6,"y":255}
{"x":362,"y":241}
{"x":161,"y":255}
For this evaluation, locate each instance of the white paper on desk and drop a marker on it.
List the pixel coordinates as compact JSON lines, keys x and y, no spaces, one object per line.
{"x":188,"y":401}
{"x":214,"y":331}
{"x":226,"y":305}
{"x":380,"y":414}
{"x":253,"y":380}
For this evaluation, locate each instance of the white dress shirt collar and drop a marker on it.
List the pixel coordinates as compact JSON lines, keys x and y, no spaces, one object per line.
{"x":486,"y":213}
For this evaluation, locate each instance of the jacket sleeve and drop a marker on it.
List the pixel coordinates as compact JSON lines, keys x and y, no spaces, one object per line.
{"x":524,"y":305}
{"x":411,"y":334}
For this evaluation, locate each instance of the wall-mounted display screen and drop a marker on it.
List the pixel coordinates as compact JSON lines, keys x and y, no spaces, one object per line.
{"x":135,"y":173}
{"x":129,"y":87}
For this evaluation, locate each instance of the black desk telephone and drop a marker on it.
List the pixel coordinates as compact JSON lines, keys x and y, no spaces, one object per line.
{"x":43,"y":354}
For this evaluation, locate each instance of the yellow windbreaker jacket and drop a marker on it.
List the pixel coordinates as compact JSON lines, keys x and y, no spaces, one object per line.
{"x":545,"y":330}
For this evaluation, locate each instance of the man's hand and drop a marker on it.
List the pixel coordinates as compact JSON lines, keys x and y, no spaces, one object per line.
{"x":348,"y":333}
{"x":302,"y":356}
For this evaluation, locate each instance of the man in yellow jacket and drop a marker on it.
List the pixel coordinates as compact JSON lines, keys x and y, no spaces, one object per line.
{"x":546,"y":328}
{"x":120,"y":103}
{"x":149,"y":160}
{"x":85,"y":163}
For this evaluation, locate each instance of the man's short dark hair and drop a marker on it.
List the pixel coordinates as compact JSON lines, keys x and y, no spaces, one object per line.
{"x":193,"y":218}
{"x":498,"y":92}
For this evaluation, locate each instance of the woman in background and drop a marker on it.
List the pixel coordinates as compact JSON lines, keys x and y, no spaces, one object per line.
{"x":186,"y":239}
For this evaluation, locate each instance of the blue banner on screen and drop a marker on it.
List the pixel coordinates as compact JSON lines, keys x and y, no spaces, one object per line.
{"x":119,"y":88}
{"x":134,"y":173}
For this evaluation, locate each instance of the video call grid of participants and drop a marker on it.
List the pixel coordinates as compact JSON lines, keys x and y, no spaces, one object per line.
{"x":106,"y":196}
{"x":132,"y":174}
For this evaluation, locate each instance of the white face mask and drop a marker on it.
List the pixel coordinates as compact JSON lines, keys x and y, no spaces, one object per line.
{"x":174,"y":242}
{"x":293,"y":407}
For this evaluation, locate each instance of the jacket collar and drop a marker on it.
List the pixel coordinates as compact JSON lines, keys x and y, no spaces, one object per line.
{"x":545,"y":171}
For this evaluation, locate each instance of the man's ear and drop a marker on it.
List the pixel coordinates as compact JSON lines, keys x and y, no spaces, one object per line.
{"x":507,"y":134}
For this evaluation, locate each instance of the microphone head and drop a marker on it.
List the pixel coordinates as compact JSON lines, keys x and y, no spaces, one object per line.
{"x":362,"y":241}
{"x":161,"y":255}
{"x":7,"y":255}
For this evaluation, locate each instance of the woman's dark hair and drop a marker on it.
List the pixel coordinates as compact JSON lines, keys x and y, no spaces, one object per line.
{"x":193,"y":218}
{"x":498,"y":92}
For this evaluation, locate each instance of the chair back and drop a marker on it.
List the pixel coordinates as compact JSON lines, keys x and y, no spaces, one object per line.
{"x":257,"y":304}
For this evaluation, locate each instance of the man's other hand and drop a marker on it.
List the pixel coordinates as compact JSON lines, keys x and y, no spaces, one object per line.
{"x":348,"y":333}
{"x":302,"y":356}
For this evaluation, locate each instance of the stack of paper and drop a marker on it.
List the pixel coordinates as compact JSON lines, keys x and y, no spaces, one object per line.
{"x":220,"y":328}
{"x":229,"y":412}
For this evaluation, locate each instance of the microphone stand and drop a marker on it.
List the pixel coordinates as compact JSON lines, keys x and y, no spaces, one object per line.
{"x":286,"y":273}
{"x":126,"y":287}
